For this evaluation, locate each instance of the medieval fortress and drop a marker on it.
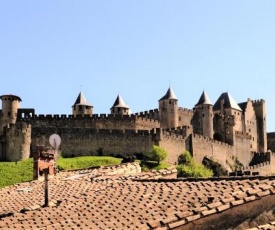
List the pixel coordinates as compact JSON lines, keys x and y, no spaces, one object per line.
{"x":226,"y":131}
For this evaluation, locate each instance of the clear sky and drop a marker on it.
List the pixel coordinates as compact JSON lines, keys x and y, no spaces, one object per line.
{"x":50,"y":50}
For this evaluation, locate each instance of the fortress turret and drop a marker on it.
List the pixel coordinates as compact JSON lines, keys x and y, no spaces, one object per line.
{"x":228,"y":118}
{"x":168,"y":110}
{"x":82,"y":106}
{"x":203,"y":117}
{"x":260,"y":111}
{"x":120,"y":107}
{"x":10,"y":106}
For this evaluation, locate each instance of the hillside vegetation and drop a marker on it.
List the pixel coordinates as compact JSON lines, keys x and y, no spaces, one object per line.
{"x":22,"y":171}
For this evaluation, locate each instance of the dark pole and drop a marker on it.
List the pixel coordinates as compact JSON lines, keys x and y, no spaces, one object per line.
{"x":46,"y":173}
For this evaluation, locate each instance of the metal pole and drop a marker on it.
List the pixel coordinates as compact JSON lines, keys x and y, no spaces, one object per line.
{"x":46,"y":173}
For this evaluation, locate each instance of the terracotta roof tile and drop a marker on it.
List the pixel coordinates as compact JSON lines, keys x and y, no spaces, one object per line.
{"x":119,"y":201}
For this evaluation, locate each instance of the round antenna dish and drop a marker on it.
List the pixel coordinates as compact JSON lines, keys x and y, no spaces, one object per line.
{"x":55,"y":141}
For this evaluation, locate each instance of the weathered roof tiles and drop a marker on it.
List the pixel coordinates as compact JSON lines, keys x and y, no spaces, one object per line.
{"x":121,"y":201}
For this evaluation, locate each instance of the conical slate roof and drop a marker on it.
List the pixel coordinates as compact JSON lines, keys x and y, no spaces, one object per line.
{"x":119,"y":103}
{"x":169,"y":95}
{"x":229,"y":102}
{"x":204,"y":99}
{"x":81,"y":100}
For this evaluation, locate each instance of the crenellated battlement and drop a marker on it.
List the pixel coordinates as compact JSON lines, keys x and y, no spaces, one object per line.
{"x":187,"y":111}
{"x":151,"y":112}
{"x":22,"y":127}
{"x":257,"y":166}
{"x":18,"y":137}
{"x":55,"y":117}
{"x":258,"y":102}
{"x":209,"y":140}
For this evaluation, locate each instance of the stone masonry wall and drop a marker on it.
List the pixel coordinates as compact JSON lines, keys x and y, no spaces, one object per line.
{"x":77,"y":141}
{"x":218,"y":151}
{"x":174,"y":144}
{"x":101,"y":121}
{"x":271,"y":141}
{"x":18,"y":140}
{"x":242,"y":148}
{"x":185,"y":116}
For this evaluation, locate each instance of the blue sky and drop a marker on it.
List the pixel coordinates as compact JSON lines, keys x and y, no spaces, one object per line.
{"x":50,"y":50}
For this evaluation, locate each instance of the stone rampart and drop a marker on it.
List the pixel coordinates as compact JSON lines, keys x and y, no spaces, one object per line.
{"x":151,"y":114}
{"x":17,"y":141}
{"x":258,"y":102}
{"x":205,"y":147}
{"x":173,"y":141}
{"x":242,"y":147}
{"x":263,"y":169}
{"x":96,"y":121}
{"x":185,"y":116}
{"x":89,"y":141}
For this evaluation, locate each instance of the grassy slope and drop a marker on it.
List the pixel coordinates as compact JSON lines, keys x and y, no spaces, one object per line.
{"x":86,"y":162}
{"x":12,"y":173}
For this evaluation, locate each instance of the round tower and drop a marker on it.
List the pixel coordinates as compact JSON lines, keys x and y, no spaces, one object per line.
{"x":120,"y":107}
{"x":204,"y":114}
{"x":168,"y":110}
{"x":82,"y":107}
{"x":10,"y":106}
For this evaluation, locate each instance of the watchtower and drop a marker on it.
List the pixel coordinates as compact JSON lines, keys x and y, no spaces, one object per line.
{"x":168,"y":110}
{"x":203,"y":117}
{"x":120,"y":107}
{"x":82,"y":106}
{"x":260,"y":111}
{"x":10,"y":106}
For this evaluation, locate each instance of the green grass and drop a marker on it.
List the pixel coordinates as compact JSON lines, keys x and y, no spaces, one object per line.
{"x":149,"y":165}
{"x":12,"y":172}
{"x":22,"y":171}
{"x":86,"y":162}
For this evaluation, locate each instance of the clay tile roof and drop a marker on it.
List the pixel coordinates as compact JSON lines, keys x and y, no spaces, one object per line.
{"x":81,"y":100}
{"x":169,"y":95}
{"x":119,"y":103}
{"x":228,"y":102}
{"x":204,"y":99}
{"x":123,"y":197}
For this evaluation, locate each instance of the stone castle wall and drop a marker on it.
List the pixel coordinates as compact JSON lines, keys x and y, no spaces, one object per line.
{"x":206,"y":147}
{"x":174,"y":144}
{"x":17,"y":142}
{"x":101,"y":121}
{"x":185,"y":116}
{"x":242,"y":147}
{"x":89,"y":141}
{"x":78,"y":141}
{"x":271,"y":141}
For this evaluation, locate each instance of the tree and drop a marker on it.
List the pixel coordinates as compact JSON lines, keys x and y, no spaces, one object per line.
{"x":189,"y":168}
{"x":157,"y":154}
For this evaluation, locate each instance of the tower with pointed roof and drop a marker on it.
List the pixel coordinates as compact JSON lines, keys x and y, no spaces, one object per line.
{"x":168,"y":110}
{"x":228,"y":118}
{"x":120,"y":107}
{"x":82,"y":107}
{"x":10,"y":106}
{"x":203,"y":116}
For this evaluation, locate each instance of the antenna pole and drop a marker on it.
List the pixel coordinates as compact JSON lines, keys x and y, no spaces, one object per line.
{"x":46,"y":173}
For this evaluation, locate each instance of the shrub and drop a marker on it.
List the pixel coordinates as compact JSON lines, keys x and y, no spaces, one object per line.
{"x":190,"y":168}
{"x":216,"y":167}
{"x":157,"y":154}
